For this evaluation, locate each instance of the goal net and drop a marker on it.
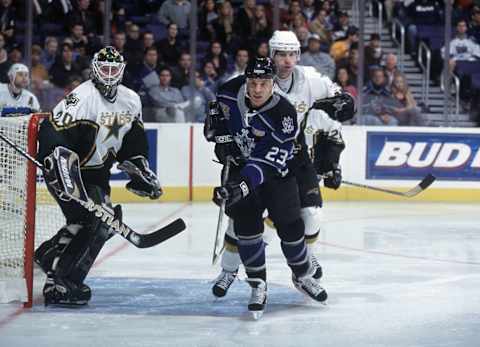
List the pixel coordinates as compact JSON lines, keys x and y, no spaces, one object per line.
{"x":28,"y":214}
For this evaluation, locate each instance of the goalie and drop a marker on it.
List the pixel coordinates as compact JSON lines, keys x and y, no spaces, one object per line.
{"x":98,"y":123}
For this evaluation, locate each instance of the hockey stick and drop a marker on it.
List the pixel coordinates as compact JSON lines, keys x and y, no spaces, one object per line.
{"x":424,"y":184}
{"x":218,"y":239}
{"x":106,"y":216}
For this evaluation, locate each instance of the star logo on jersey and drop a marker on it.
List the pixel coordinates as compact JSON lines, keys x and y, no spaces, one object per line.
{"x":287,"y":125}
{"x":113,"y":128}
{"x":71,"y":100}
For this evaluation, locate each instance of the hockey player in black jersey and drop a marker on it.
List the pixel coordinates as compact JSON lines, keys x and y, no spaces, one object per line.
{"x":99,"y":122}
{"x":263,"y":127}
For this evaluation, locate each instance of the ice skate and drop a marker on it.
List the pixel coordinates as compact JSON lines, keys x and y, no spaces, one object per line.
{"x":258,"y":298}
{"x":318,"y":268}
{"x":223,"y":283}
{"x":308,"y":285}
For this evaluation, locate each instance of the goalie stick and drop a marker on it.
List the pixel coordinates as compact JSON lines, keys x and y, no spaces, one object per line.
{"x":424,"y":184}
{"x":217,"y":251}
{"x":106,"y":216}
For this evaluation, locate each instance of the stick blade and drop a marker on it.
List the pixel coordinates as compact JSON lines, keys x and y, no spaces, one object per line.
{"x":424,"y":184}
{"x":162,"y":234}
{"x":427,"y":181}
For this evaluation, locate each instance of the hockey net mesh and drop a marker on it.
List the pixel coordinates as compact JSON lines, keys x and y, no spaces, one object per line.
{"x":13,"y":209}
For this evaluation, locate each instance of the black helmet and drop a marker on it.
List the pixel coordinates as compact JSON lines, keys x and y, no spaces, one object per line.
{"x":260,"y":68}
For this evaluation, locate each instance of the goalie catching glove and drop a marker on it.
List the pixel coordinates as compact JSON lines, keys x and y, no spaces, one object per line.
{"x":143,"y":181}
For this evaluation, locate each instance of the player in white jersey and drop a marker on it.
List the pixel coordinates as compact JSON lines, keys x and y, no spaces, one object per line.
{"x":320,"y":130}
{"x":101,"y":121}
{"x":15,"y":99}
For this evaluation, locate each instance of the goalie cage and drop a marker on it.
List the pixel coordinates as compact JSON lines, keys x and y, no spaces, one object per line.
{"x":28,"y":214}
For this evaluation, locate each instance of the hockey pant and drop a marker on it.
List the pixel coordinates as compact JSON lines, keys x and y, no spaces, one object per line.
{"x":310,"y":212}
{"x":280,"y":198}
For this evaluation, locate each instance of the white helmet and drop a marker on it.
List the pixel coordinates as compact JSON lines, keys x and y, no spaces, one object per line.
{"x":284,"y":41}
{"x":14,"y":69}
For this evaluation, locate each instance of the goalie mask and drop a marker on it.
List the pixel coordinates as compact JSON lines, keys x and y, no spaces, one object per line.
{"x":284,"y":41}
{"x":107,"y":71}
{"x":21,"y":71}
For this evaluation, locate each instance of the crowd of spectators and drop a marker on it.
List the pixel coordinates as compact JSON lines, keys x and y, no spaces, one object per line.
{"x":153,"y":36}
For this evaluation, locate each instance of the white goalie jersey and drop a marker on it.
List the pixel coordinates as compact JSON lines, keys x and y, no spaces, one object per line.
{"x":112,"y":120}
{"x":308,"y":86}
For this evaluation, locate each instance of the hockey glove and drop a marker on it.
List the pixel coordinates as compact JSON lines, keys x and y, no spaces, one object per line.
{"x":333,"y":179}
{"x":143,"y":181}
{"x":231,"y":193}
{"x":340,"y":107}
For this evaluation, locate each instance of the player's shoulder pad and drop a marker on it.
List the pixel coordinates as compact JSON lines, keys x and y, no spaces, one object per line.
{"x":283,"y":118}
{"x":231,"y":87}
{"x":131,"y":97}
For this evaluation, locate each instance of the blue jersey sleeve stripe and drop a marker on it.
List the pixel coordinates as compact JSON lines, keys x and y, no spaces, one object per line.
{"x":284,"y":140}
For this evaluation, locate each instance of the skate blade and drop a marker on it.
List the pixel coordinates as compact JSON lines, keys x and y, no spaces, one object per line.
{"x":257,"y":314}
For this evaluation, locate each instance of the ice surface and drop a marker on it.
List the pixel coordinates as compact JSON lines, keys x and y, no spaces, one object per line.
{"x":397,"y":274}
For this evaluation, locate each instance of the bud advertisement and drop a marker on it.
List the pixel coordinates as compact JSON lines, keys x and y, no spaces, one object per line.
{"x":448,"y":156}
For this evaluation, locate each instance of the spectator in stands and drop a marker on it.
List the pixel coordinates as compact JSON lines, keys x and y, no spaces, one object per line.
{"x":181,"y":73}
{"x":148,"y":39}
{"x":321,"y":27}
{"x":321,"y":61}
{"x":303,"y":34}
{"x":76,"y":34}
{"x":64,"y":67}
{"x":262,"y":49}
{"x":133,"y":46}
{"x":206,"y":15}
{"x":341,"y":48}
{"x":351,"y":63}
{"x":170,"y":47}
{"x":7,"y":21}
{"x":15,"y":55}
{"x":340,"y":28}
{"x":344,"y":81}
{"x":309,"y":10}
{"x":241,"y":61}
{"x":422,"y":13}
{"x":294,"y":9}
{"x":38,"y":71}
{"x":81,"y":14}
{"x":224,"y":24}
{"x":50,"y":52}
{"x":262,"y":28}
{"x":378,"y":102}
{"x":407,"y":111}
{"x":199,"y":96}
{"x":210,"y":76}
{"x":176,"y":11}
{"x":4,"y":62}
{"x":217,"y":56}
{"x":373,"y":51}
{"x":298,"y":21}
{"x":167,"y":99}
{"x":119,"y":41}
{"x":463,"y":48}
{"x":245,"y":21}
{"x":390,"y":68}
{"x":474,"y":31}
